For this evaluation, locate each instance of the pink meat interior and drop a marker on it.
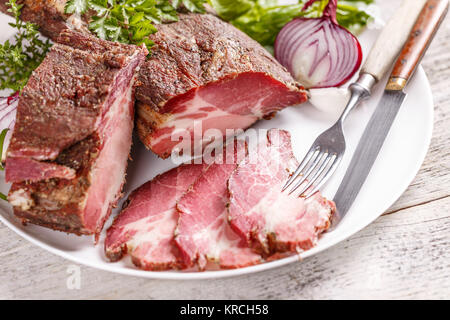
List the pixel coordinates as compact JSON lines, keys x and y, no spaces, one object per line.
{"x":235,"y":102}
{"x":107,"y":177}
{"x":145,"y":229}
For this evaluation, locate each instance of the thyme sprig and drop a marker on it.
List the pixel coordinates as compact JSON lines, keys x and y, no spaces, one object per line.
{"x":130,"y":21}
{"x":20,"y":57}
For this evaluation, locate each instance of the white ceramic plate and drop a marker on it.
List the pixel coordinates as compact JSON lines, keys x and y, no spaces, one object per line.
{"x":397,"y":165}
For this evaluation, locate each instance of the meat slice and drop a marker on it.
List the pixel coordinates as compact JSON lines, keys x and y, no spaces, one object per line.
{"x":261,"y":214}
{"x":145,"y":228}
{"x":70,"y":145}
{"x":204,"y":72}
{"x":203,"y":234}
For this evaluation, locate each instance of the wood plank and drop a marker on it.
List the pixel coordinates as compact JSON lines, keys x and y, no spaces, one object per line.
{"x":399,"y":256}
{"x":433,"y":180}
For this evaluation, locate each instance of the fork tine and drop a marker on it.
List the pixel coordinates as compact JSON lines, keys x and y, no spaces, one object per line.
{"x":317,"y":174}
{"x":302,"y":165}
{"x":324,"y":179}
{"x":310,"y":170}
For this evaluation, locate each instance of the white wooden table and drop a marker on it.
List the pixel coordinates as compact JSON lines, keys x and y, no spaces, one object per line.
{"x":404,"y":254}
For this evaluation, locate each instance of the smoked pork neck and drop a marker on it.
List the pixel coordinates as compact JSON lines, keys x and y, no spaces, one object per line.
{"x":203,"y":73}
{"x":207,"y":73}
{"x":69,"y":149}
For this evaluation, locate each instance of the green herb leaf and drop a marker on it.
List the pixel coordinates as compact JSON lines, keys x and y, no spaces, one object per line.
{"x":20,"y":57}
{"x":98,"y":26}
{"x":351,"y":14}
{"x":130,"y":21}
{"x":76,"y":6}
{"x":142,"y":30}
{"x":99,"y":6}
{"x":231,"y":9}
{"x":262,"y":20}
{"x":166,"y":11}
{"x":191,"y":5}
{"x":136,"y":18}
{"x":264,"y":23}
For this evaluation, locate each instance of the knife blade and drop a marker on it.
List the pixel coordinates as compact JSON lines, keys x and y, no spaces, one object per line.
{"x":368,"y":149}
{"x":393,"y":97}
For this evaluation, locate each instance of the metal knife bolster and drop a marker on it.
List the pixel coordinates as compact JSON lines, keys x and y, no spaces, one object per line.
{"x":396,"y":83}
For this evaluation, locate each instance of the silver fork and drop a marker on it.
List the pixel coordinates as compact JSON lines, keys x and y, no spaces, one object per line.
{"x":326,"y":153}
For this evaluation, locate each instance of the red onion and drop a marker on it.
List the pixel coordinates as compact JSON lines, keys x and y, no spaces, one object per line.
{"x":318,"y":52}
{"x":8,"y":109}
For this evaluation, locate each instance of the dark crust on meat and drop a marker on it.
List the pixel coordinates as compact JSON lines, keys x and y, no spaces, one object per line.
{"x":48,"y":15}
{"x":156,"y":266}
{"x":117,"y":253}
{"x":63,"y":99}
{"x":58,"y":202}
{"x":197,"y":50}
{"x":89,"y":83}
{"x":66,"y":196}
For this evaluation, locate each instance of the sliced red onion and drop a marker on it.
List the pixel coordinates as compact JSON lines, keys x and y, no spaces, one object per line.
{"x":8,"y":110}
{"x":318,"y":52}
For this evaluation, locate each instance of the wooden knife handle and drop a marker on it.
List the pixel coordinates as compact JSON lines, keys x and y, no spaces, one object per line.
{"x":390,"y":41}
{"x":428,"y":22}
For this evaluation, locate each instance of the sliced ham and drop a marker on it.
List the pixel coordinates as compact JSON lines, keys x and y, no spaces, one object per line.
{"x":272,"y":221}
{"x":203,"y":74}
{"x":203,"y":234}
{"x":190,"y":217}
{"x":145,"y":228}
{"x":206,"y":74}
{"x":70,"y":145}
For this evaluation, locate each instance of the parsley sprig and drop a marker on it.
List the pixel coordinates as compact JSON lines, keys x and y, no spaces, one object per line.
{"x":130,"y":21}
{"x":192,"y":5}
{"x":20,"y":57}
